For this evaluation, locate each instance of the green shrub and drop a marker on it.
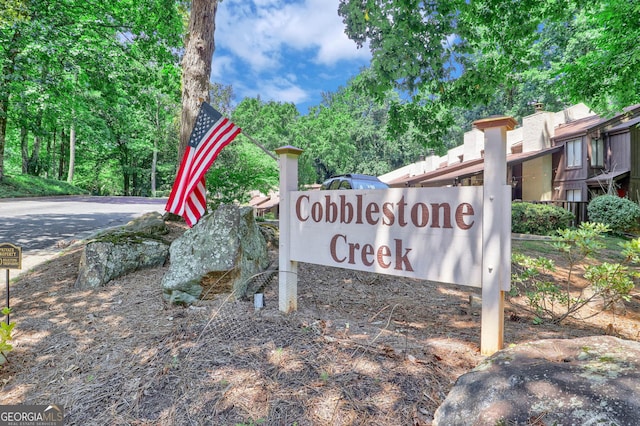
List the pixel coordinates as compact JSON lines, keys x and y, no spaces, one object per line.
{"x":620,"y":214}
{"x":539,"y":219}
{"x":5,"y":336}
{"x":554,"y":299}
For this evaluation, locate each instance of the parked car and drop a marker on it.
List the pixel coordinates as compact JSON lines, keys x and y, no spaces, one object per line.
{"x":353,"y":181}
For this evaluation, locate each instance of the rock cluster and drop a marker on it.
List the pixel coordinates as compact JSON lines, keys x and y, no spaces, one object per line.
{"x":584,"y":381}
{"x":227,"y":242}
{"x":117,"y":252}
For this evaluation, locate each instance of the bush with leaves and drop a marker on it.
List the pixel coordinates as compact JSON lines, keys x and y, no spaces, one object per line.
{"x":5,"y":336}
{"x":538,"y":219}
{"x":554,"y":301}
{"x":620,"y":214}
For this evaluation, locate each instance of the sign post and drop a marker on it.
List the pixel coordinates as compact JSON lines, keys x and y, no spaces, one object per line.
{"x":457,"y":235}
{"x":10,"y":258}
{"x":496,"y":232}
{"x":288,"y":274}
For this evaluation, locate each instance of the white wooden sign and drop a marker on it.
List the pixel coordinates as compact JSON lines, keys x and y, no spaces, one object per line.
{"x":428,"y":233}
{"x":457,"y":235}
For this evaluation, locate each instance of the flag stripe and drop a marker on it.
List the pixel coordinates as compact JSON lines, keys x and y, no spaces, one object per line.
{"x":205,"y":157}
{"x":188,"y":195}
{"x":193,"y":176}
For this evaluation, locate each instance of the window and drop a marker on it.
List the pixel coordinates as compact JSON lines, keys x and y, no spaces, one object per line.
{"x":574,"y":153}
{"x":597,"y":152}
{"x":574,"y":195}
{"x":335,"y":184}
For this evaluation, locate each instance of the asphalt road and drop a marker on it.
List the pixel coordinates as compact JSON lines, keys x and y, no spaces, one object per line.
{"x":40,"y":225}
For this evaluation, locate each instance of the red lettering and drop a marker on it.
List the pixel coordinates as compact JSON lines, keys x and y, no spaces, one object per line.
{"x":401,"y":205}
{"x":387,"y":212}
{"x":353,"y":247}
{"x":420,"y":218}
{"x":316,"y":212}
{"x":372,"y":209}
{"x":367,"y":252}
{"x":331,"y":209}
{"x":402,"y":259}
{"x":464,"y":209}
{"x":383,"y":252}
{"x":435,"y":215}
{"x":299,"y":208}
{"x":332,"y":247}
{"x":358,"y":209}
{"x":346,"y":210}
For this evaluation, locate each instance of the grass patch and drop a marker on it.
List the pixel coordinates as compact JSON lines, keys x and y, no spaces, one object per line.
{"x":610,"y":253}
{"x":533,"y":247}
{"x":32,"y":186}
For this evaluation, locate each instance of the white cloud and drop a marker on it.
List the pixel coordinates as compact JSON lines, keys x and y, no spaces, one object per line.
{"x":221,"y":66}
{"x":283,"y":90}
{"x":272,"y":48}
{"x":258,"y":31}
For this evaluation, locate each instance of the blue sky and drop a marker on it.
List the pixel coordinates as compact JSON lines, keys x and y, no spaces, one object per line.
{"x":283,"y":50}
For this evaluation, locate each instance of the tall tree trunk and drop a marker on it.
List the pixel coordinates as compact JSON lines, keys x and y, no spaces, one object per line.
{"x":72,"y":152}
{"x":51,"y":156}
{"x":24,"y":148}
{"x":33,"y":165}
{"x":72,"y":133}
{"x":6,"y":73}
{"x":135,"y":185}
{"x":196,"y":65}
{"x":3,"y":132}
{"x":61,"y":159}
{"x":154,"y":166}
{"x":154,"y":160}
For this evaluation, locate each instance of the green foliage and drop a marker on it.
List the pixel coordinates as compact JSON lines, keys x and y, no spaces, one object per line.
{"x":31,"y":186}
{"x":448,"y":54}
{"x":604,"y":56}
{"x":620,"y":214}
{"x":555,"y":300}
{"x":240,"y":168}
{"x":538,"y":219}
{"x":5,"y":336}
{"x":109,"y":71}
{"x":349,"y":133}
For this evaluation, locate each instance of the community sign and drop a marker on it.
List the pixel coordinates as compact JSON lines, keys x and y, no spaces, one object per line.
{"x":427,"y":233}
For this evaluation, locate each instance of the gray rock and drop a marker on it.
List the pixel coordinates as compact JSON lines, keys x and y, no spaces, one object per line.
{"x":585,"y":381}
{"x":113,"y":255}
{"x":149,"y":223}
{"x":226,"y":242}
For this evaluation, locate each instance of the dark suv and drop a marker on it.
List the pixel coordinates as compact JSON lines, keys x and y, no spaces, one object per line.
{"x":353,"y":181}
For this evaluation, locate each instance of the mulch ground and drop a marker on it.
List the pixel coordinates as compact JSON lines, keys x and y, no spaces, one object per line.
{"x":362,"y":349}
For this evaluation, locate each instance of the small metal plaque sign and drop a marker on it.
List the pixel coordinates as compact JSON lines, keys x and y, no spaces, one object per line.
{"x":10,"y":256}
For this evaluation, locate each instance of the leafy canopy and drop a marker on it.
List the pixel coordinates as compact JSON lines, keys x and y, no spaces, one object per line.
{"x":444,"y":54}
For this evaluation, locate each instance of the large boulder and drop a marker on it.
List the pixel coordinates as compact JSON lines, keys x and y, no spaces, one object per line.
{"x":119,"y":251}
{"x":224,"y":246}
{"x":585,"y":381}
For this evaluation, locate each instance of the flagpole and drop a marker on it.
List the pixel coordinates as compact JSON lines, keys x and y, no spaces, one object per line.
{"x":260,"y":146}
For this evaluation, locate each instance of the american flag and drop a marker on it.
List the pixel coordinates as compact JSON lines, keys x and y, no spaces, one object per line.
{"x":211,"y":133}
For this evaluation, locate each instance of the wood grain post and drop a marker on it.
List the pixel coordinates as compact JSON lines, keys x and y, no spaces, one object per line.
{"x":496,"y":232}
{"x":288,"y":273}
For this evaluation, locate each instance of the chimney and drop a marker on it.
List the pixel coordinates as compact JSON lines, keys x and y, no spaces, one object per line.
{"x":537,"y":130}
{"x":473,"y":144}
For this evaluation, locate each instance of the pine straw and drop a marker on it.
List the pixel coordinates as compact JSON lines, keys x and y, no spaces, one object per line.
{"x":360,"y":350}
